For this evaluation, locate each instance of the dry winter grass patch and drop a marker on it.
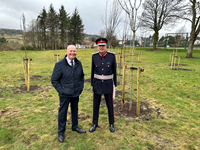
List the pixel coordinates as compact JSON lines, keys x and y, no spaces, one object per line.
{"x":169,"y":105}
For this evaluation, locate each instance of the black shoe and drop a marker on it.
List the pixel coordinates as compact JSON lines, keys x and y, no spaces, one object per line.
{"x":60,"y":138}
{"x":79,"y":130}
{"x":93,"y":128}
{"x":112,"y":129}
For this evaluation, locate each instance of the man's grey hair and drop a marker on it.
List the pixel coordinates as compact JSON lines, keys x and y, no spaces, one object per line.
{"x":70,"y":46}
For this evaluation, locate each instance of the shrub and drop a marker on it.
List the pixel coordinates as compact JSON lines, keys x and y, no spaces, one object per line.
{"x":27,"y":48}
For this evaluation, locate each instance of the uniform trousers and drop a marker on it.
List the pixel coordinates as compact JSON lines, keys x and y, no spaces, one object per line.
{"x":62,"y":114}
{"x":110,"y":106}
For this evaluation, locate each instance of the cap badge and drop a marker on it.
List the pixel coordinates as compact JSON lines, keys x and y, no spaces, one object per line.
{"x":101,"y":41}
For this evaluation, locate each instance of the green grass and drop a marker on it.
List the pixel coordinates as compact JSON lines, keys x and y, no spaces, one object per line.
{"x":28,"y":120}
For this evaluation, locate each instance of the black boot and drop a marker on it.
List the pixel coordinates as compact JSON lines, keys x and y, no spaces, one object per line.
{"x":112,"y":129}
{"x":93,"y":128}
{"x":79,"y":130}
{"x":60,"y":138}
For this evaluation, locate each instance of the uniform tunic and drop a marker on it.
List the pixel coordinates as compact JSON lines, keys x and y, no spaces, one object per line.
{"x":103,"y":65}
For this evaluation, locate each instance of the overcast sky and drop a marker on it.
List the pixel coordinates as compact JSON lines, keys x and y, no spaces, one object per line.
{"x":90,"y":11}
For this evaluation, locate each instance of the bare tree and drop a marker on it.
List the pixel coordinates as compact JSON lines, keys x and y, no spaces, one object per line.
{"x":111,"y":20}
{"x":159,"y":13}
{"x":102,"y":33}
{"x":192,"y":14}
{"x":23,"y":28}
{"x":131,"y":10}
{"x":31,"y":34}
{"x":26,"y":61}
{"x":124,"y":37}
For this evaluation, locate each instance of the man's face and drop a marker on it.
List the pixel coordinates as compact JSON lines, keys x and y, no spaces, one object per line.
{"x":102,"y":48}
{"x":71,"y":52}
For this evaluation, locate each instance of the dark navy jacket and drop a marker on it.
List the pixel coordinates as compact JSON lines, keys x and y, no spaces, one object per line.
{"x":103,"y":66}
{"x":68,"y":81}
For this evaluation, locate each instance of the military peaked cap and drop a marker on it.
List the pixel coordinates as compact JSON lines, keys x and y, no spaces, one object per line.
{"x":101,"y":41}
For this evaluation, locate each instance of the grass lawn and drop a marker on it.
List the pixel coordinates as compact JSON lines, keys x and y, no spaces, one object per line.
{"x":28,"y":120}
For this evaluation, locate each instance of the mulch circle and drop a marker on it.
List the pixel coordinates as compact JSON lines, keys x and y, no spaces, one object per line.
{"x":23,"y":89}
{"x":124,"y":112}
{"x":175,"y":69}
{"x":177,"y":64}
{"x":181,"y":69}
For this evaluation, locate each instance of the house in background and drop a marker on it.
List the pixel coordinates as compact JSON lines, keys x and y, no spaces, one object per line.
{"x":78,"y":46}
{"x":86,"y":45}
{"x":90,"y":44}
{"x":146,"y":41}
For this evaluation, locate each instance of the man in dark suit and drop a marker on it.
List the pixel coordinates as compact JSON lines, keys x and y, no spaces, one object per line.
{"x":103,"y":76}
{"x":68,"y":79}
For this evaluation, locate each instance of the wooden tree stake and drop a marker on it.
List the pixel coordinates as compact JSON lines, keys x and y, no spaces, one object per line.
{"x":28,"y":83}
{"x":26,"y":64}
{"x":138,"y":91}
{"x":25,"y":75}
{"x":178,"y":62}
{"x":54,"y":59}
{"x":123,"y":84}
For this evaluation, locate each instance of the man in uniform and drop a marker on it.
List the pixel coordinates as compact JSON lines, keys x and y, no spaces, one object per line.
{"x":68,"y":80}
{"x":103,"y":76}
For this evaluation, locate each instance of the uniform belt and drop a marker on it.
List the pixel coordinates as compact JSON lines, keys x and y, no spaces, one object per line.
{"x":103,"y":77}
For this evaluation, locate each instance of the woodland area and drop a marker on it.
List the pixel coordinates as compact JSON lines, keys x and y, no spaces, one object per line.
{"x":55,"y":29}
{"x":12,"y":39}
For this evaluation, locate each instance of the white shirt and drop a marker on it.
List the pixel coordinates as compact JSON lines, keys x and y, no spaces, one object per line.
{"x":69,"y":61}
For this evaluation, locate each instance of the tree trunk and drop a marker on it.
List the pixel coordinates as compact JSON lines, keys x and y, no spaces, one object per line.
{"x":44,"y":34}
{"x":133,"y":47}
{"x":191,"y":45}
{"x":190,"y":49}
{"x":155,"y":39}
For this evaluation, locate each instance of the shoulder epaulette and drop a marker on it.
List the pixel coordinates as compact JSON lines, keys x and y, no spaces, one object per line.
{"x":95,"y":53}
{"x":111,"y":53}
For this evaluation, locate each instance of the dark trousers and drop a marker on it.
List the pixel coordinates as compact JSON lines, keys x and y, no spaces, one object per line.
{"x":62,"y":114}
{"x":110,"y":106}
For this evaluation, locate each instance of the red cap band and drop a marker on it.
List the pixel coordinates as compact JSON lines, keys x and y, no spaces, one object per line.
{"x":102,"y":41}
